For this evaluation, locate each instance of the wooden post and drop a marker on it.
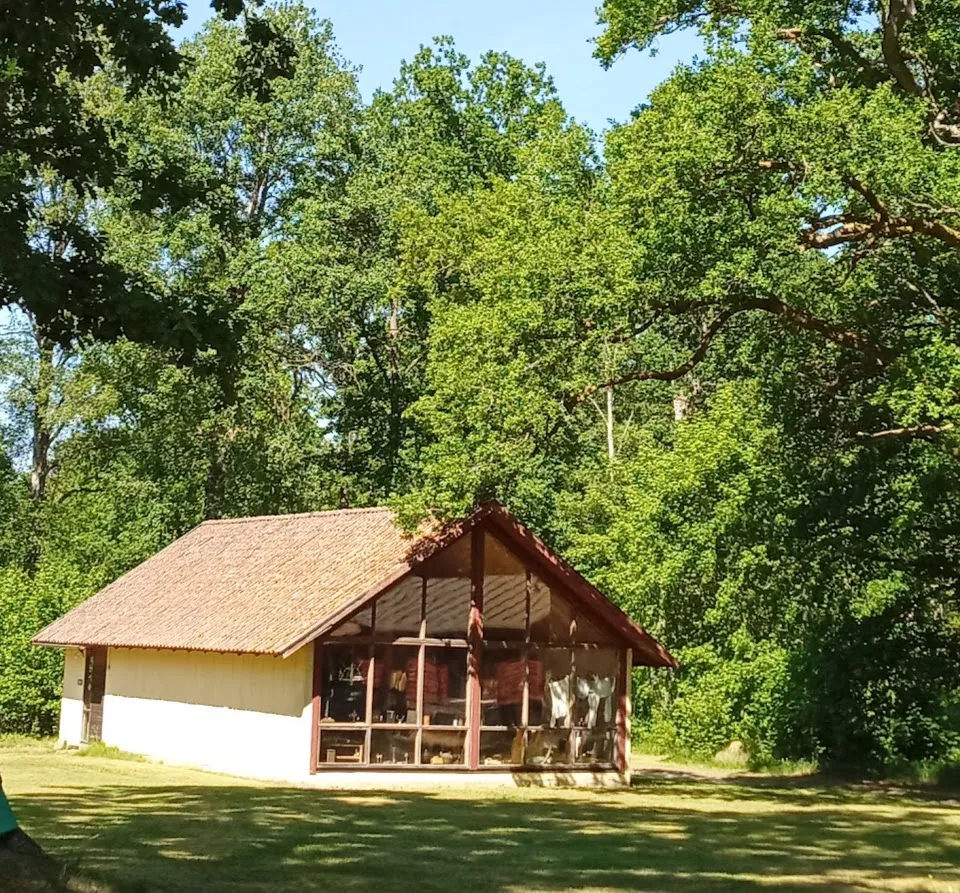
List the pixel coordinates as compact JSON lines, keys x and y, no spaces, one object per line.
{"x":475,"y":646}
{"x":371,"y":682}
{"x":621,"y":745}
{"x":525,"y":704}
{"x":315,"y":707}
{"x":421,"y":669}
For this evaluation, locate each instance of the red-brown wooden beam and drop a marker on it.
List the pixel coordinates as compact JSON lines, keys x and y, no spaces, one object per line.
{"x":315,"y":707}
{"x":475,"y":644}
{"x":623,"y":704}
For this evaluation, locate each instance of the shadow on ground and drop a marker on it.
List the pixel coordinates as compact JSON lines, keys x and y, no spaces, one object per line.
{"x":663,"y":834}
{"x":823,"y":786}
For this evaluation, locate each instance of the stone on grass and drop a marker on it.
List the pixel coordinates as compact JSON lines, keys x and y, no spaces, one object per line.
{"x":734,"y":754}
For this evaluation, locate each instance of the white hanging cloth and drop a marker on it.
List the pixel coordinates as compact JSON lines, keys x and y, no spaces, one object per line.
{"x":596,"y":690}
{"x":559,"y":691}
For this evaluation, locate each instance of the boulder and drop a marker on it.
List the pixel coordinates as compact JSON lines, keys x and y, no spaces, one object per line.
{"x":734,"y":754}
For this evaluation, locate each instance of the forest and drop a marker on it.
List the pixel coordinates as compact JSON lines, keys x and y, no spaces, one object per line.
{"x":707,"y":354}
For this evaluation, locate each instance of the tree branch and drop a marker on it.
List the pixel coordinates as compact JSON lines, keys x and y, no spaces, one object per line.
{"x":879,"y":356}
{"x":859,"y":229}
{"x":868,"y":194}
{"x":667,"y":374}
{"x":803,"y":319}
{"x":842,"y":47}
{"x":928,"y":432}
{"x":892,"y":19}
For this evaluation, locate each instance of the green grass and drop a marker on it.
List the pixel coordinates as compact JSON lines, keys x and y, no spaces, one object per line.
{"x":11,"y":739}
{"x":144,"y":826}
{"x":752,"y":765}
{"x":108,"y":752}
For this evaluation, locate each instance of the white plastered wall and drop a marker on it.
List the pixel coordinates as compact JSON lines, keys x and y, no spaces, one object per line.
{"x":240,"y":714}
{"x":71,"y":703}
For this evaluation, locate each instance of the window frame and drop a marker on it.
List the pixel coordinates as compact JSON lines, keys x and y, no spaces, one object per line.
{"x":471,"y":730}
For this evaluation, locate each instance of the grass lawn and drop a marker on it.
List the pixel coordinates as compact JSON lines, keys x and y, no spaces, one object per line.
{"x":142,"y":826}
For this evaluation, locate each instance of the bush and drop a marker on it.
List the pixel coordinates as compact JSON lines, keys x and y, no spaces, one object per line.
{"x":30,"y":676}
{"x":711,"y":701}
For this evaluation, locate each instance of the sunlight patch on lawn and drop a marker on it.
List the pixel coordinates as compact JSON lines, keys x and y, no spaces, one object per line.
{"x":366,"y":800}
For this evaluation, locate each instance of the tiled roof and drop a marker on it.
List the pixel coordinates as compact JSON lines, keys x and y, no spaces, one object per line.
{"x":268,"y":585}
{"x":245,"y":585}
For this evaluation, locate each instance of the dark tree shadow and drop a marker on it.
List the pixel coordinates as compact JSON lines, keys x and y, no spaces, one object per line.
{"x":661,"y":835}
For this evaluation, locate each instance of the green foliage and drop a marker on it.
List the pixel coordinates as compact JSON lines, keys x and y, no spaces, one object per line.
{"x":31,"y":677}
{"x":51,"y":125}
{"x":716,"y":364}
{"x":105,"y":751}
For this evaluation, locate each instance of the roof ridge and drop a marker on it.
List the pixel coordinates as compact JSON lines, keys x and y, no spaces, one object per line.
{"x":325,"y":513}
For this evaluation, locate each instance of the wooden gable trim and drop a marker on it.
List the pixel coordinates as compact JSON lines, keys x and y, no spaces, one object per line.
{"x":529,"y":548}
{"x":533,"y":565}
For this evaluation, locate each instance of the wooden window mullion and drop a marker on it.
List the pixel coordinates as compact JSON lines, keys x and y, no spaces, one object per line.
{"x":525,"y":704}
{"x":421,"y":665}
{"x":371,"y":688}
{"x":475,"y":652}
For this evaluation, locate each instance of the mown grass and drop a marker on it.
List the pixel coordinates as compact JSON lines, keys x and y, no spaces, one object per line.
{"x":144,"y":827}
{"x":24,"y":742}
{"x":108,"y":752}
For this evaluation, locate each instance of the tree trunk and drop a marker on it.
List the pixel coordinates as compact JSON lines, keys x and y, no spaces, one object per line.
{"x":42,"y":412}
{"x":609,"y":418}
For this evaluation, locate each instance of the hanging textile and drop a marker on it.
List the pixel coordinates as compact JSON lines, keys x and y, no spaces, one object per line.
{"x":596,"y":690}
{"x":558,"y":691}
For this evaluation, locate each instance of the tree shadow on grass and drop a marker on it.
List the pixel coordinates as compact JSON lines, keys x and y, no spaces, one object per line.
{"x":798,"y":790}
{"x":676,"y":836}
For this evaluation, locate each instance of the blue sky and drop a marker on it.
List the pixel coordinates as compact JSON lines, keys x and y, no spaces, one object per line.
{"x":377,"y":34}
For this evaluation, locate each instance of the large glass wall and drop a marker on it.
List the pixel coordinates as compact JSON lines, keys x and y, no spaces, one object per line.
{"x":396,"y":687}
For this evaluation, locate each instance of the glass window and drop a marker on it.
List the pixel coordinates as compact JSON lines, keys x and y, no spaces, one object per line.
{"x":595,"y":688}
{"x":395,"y":684}
{"x":547,"y":747}
{"x":361,"y":624}
{"x":555,"y":620}
{"x":551,"y":616}
{"x":587,"y":631}
{"x":501,"y":748}
{"x":398,"y":609}
{"x":504,"y":593}
{"x":343,"y":694}
{"x":558,"y":687}
{"x":594,"y":745}
{"x":445,"y":686}
{"x":502,"y":674}
{"x":536,"y":685}
{"x":341,"y":746}
{"x":453,"y":561}
{"x":448,"y":607}
{"x":392,"y":747}
{"x":443,"y":748}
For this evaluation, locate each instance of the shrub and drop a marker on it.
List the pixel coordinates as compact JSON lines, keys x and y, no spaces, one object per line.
{"x":30,"y":676}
